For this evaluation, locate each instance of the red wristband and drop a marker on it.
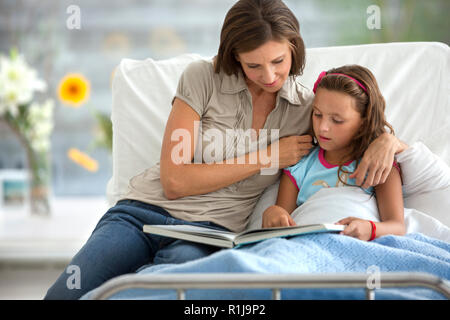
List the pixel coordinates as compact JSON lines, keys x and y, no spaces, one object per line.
{"x":374,"y":231}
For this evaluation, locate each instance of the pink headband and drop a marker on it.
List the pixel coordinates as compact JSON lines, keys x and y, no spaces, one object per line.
{"x":324,"y":73}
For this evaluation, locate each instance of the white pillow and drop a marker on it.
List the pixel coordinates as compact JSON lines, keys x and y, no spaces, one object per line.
{"x":422,"y":170}
{"x":267,"y":199}
{"x":142,"y":93}
{"x":416,"y":221}
{"x":426,"y":182}
{"x":435,"y":203}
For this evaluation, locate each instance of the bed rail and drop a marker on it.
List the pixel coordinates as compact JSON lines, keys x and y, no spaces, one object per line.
{"x":276,"y":282}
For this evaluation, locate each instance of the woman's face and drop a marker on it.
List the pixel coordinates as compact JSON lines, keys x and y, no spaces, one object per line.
{"x":268,"y":66}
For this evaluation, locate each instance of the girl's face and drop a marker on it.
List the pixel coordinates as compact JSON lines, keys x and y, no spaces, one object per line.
{"x":268,"y":66}
{"x":335,"y":121}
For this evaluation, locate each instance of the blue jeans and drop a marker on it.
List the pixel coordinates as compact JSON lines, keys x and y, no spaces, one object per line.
{"x":118,"y":246}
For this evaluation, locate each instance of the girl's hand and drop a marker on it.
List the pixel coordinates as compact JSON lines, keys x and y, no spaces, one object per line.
{"x":357,"y":228}
{"x":276,"y":216}
{"x":377,"y":161}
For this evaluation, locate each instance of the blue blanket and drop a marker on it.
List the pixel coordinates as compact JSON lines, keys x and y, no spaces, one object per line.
{"x":314,"y":253}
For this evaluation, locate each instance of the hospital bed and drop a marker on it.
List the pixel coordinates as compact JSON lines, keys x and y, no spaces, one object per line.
{"x":414,"y":79}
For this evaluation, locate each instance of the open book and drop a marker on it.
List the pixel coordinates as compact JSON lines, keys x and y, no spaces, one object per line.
{"x":228,"y":239}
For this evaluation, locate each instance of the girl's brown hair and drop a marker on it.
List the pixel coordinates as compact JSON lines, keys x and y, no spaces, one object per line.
{"x":251,"y":23}
{"x":370,"y":104}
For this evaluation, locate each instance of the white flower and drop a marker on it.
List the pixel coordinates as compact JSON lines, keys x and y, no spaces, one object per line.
{"x":40,"y":118}
{"x":18,"y":84}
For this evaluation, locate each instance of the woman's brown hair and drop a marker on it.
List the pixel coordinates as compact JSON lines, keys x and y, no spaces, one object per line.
{"x":251,"y":23}
{"x":369,"y":103}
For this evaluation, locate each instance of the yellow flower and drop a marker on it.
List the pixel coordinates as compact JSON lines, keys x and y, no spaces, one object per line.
{"x":73,"y":89}
{"x":82,"y":159}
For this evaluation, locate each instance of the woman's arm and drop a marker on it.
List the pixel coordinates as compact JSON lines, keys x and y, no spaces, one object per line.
{"x":184,"y":178}
{"x":377,"y":160}
{"x":390,"y":207}
{"x":279,"y":215}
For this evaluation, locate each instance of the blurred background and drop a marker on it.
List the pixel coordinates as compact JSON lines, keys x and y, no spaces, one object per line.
{"x":75,"y":58}
{"x":162,"y":29}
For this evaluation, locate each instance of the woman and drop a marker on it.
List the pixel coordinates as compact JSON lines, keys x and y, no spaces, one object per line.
{"x":250,"y":84}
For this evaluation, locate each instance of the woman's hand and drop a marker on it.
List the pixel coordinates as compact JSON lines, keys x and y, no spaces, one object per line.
{"x":357,"y":228}
{"x":276,"y":216}
{"x":377,"y":161}
{"x":290,"y":150}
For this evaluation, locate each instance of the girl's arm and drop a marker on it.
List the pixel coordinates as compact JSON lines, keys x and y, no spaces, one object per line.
{"x":390,"y":206}
{"x":184,"y":178}
{"x":279,"y":215}
{"x":377,"y":160}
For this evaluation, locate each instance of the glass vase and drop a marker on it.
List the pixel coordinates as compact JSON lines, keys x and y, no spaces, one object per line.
{"x":38,"y":165}
{"x":39,"y":182}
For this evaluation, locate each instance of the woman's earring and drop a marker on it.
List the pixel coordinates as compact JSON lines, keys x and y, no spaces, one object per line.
{"x":314,"y":140}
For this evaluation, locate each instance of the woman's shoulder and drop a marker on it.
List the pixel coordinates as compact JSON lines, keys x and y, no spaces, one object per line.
{"x":200,"y":74}
{"x":200,"y":67}
{"x":196,"y":83}
{"x":296,"y":92}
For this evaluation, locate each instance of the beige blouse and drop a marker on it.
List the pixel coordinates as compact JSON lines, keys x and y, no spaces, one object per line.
{"x":224,"y":105}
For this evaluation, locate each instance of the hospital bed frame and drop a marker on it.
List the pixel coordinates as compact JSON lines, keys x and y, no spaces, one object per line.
{"x":275,"y":282}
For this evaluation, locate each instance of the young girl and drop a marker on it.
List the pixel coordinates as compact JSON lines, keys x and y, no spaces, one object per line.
{"x":347,"y":115}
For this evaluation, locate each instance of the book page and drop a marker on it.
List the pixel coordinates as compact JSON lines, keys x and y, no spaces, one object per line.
{"x":197,"y":230}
